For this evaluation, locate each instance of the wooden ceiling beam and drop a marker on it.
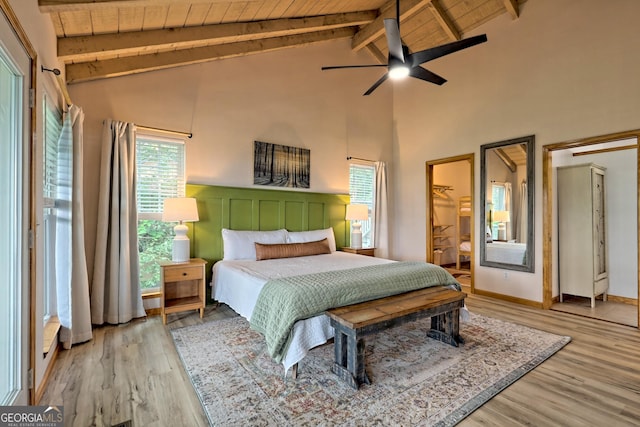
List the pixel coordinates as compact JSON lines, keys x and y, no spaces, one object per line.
{"x":443,"y":19}
{"x":375,"y":29}
{"x":513,"y":8}
{"x":377,"y":54}
{"x":48,"y":6}
{"x":506,"y":159}
{"x":138,"y":64}
{"x":86,"y":48}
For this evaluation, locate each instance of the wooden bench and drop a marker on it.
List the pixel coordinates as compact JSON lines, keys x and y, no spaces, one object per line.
{"x":353,"y":322}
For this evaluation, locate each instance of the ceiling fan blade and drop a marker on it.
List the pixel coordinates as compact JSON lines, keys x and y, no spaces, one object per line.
{"x":338,"y":67}
{"x":394,"y":42}
{"x":426,"y":75}
{"x":445,"y":49}
{"x":376,"y":84}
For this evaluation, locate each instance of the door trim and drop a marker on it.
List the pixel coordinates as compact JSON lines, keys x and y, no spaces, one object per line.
{"x":470,"y":158}
{"x":547,"y":205}
{"x":11,"y":17}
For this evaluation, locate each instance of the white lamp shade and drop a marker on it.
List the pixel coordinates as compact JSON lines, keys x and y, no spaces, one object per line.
{"x":501,"y":216}
{"x":357,"y":212}
{"x":180,"y":209}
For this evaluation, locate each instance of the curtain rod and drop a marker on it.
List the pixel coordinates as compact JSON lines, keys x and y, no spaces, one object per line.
{"x":357,"y":158}
{"x":174,"y":132}
{"x":61,"y":83}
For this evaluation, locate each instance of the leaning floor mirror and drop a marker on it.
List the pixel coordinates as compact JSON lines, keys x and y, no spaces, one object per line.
{"x":506,"y":189}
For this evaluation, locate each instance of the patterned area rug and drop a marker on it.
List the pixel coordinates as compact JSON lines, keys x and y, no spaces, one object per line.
{"x":414,"y":380}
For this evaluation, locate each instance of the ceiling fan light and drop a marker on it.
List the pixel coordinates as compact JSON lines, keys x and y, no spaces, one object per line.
{"x":398,"y":72}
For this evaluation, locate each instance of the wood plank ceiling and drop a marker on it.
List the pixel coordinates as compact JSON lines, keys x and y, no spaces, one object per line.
{"x":108,"y":38}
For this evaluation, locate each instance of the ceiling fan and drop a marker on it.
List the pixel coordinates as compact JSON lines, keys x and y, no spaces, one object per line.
{"x":403,"y":63}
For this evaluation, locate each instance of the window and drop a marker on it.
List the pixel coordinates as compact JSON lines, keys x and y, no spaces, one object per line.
{"x":362,"y":184}
{"x":159,"y":174}
{"x":498,"y":192}
{"x":51,"y":168}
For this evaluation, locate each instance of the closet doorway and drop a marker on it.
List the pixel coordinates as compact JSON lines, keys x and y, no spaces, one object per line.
{"x":450,"y":216}
{"x":617,"y":154}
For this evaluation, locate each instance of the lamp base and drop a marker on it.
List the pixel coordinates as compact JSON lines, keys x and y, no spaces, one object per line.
{"x":180,"y":249}
{"x":356,"y":236}
{"x":502,"y":232}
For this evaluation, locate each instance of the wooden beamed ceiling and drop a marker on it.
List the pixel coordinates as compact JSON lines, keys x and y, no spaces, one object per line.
{"x":107,"y":38}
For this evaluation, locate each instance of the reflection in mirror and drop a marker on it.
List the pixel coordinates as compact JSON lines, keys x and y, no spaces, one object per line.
{"x":506,"y":186}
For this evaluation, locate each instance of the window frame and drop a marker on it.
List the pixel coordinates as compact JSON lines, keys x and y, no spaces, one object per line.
{"x":50,"y":147}
{"x":143,"y":212}
{"x":368,"y":229}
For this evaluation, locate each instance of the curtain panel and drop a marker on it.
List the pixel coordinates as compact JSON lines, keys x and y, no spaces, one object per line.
{"x":72,"y":279}
{"x":381,"y":230}
{"x":115,"y":289}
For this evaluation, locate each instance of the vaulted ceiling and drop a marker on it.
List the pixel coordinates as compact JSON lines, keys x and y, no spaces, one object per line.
{"x":107,"y":38}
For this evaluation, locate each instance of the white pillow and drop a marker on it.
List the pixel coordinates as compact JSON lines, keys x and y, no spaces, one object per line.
{"x":313,"y":236}
{"x":240,"y":244}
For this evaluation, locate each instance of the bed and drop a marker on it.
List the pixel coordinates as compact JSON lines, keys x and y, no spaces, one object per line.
{"x":506,"y":252}
{"x":239,"y":279}
{"x":300,"y":216}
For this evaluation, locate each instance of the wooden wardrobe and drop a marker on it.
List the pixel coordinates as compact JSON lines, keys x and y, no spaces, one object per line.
{"x":582,"y":244}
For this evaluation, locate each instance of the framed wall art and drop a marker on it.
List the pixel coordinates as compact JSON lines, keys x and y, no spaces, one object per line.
{"x":281,"y":165}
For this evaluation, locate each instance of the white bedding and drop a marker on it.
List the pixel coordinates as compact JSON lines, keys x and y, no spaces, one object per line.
{"x":237,"y":283}
{"x":506,"y":252}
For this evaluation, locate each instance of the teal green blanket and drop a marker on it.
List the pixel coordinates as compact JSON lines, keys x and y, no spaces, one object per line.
{"x":284,"y":301}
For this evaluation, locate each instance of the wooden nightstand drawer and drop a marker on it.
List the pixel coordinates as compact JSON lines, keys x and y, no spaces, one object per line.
{"x":360,"y":251}
{"x":182,"y":273}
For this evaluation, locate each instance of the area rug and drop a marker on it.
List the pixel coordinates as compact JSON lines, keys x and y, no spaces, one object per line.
{"x":415,"y":381}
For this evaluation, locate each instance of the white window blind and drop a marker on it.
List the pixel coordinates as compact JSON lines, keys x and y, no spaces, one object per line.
{"x":52,"y":129}
{"x":160,"y":173}
{"x":51,"y":170}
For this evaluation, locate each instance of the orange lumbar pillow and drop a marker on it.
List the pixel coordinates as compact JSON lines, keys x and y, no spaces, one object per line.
{"x":290,"y":250}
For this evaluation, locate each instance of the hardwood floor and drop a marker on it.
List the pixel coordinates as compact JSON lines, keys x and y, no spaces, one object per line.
{"x":611,"y":311}
{"x":133,"y":372}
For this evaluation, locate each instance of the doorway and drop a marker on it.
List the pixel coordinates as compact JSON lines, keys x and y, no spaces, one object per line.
{"x":618,"y":155}
{"x":16,"y":74}
{"x":450,"y":216}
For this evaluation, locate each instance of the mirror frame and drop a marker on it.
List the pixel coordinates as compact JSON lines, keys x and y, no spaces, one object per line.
{"x":529,"y":266}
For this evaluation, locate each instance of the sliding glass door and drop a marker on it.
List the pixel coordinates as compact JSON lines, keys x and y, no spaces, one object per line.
{"x":14,"y":217}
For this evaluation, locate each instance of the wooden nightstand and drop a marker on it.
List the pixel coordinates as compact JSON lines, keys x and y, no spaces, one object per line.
{"x":361,"y":251}
{"x":182,"y":287}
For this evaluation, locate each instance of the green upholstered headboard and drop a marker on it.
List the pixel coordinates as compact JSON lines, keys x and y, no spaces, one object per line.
{"x":257,"y":209}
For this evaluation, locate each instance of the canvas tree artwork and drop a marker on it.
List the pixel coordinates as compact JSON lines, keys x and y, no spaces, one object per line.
{"x":281,"y":165}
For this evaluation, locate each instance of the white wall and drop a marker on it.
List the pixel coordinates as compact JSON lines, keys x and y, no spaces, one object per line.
{"x":280,"y":97}
{"x":565,"y":69}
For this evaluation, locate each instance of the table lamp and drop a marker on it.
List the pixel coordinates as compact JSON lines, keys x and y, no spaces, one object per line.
{"x":356,"y":213}
{"x":181,"y":209}
{"x":502,"y":217}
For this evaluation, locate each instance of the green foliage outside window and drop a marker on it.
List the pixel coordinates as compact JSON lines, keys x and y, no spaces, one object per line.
{"x":155,"y":241}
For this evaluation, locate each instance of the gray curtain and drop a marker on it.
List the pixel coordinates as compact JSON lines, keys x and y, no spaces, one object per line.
{"x":115,"y":290}
{"x":72,"y":279}
{"x":381,"y":226}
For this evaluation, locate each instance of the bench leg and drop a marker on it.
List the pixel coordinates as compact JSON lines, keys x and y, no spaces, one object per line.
{"x":446,"y":328}
{"x":356,"y":361}
{"x":349,"y":359}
